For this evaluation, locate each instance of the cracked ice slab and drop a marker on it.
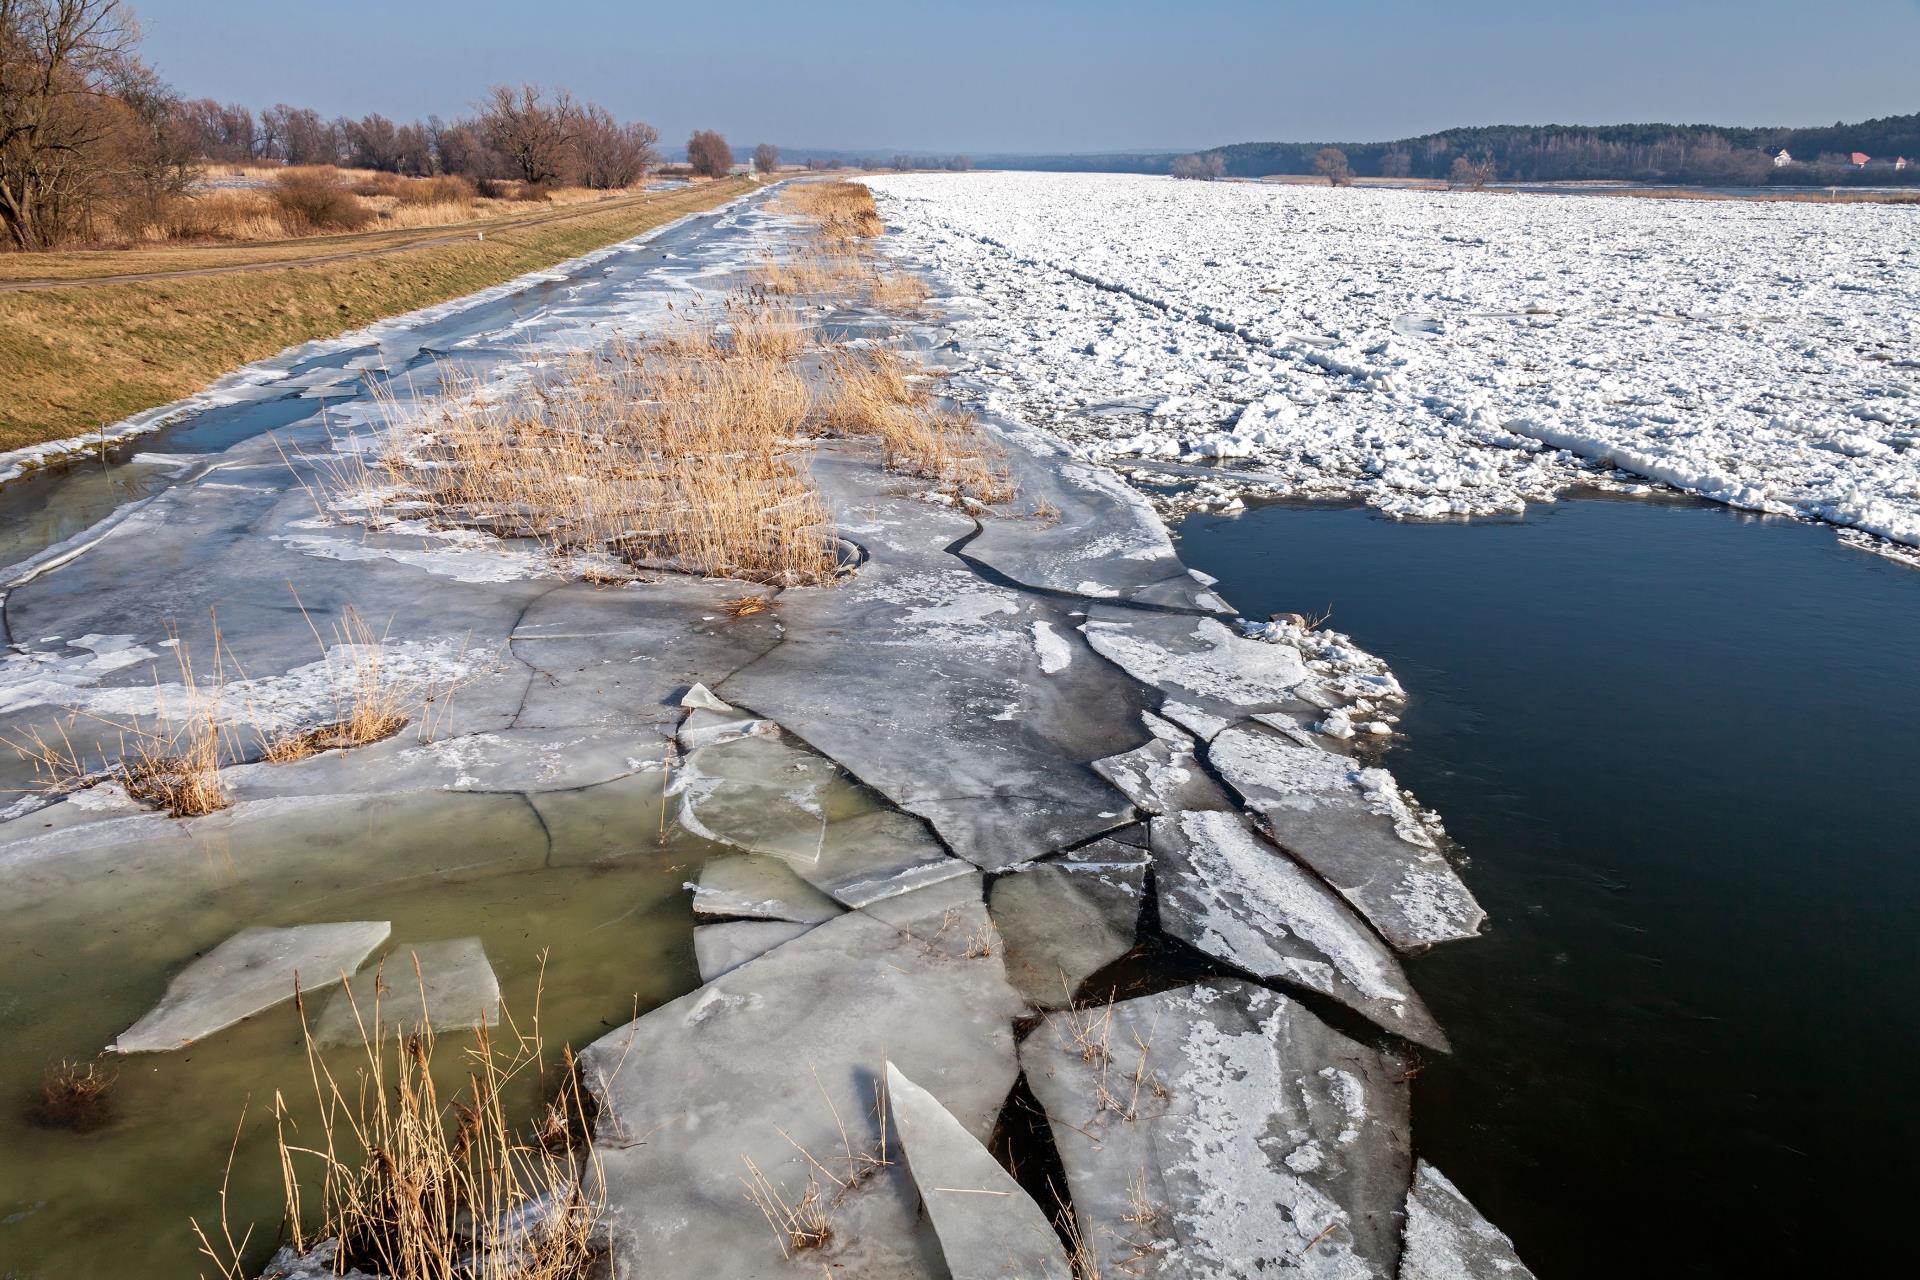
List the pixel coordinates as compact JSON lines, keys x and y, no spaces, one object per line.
{"x":1448,"y":1239}
{"x":1066,"y":918}
{"x":1354,"y":827}
{"x":1224,"y":890}
{"x":506,"y":760}
{"x":924,"y":681}
{"x":626,"y":654}
{"x":1260,"y":1139}
{"x":1211,"y":675}
{"x":1106,"y":542}
{"x":722,"y":948}
{"x":448,"y":985}
{"x":989,"y":1227}
{"x":761,"y":889}
{"x":794,"y":1043}
{"x":253,"y":970}
{"x":745,"y":783}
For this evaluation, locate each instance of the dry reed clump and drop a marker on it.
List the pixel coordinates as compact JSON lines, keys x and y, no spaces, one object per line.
{"x":761,"y":330}
{"x":873,"y":392}
{"x":683,"y":456}
{"x":210,"y":215}
{"x":898,"y":292}
{"x":417,"y":1183}
{"x":173,"y":763}
{"x":172,"y":760}
{"x":814,"y":274}
{"x":800,"y":1224}
{"x":368,"y":705}
{"x":810,"y":274}
{"x":76,"y":1096}
{"x":843,"y":211}
{"x":178,"y":771}
{"x":1089,"y":1031}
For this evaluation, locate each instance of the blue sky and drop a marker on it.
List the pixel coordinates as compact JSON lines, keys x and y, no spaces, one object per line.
{"x":1060,"y":75}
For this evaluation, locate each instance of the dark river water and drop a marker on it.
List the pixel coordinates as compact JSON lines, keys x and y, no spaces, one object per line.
{"x":1680,"y":750}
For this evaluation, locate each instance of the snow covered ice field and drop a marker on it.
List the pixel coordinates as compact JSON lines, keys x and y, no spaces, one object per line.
{"x":1439,"y":354}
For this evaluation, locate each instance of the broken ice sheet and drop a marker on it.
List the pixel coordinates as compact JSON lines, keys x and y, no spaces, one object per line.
{"x":745,"y":783}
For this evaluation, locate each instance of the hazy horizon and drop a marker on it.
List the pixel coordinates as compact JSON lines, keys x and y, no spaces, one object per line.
{"x":1072,"y":76}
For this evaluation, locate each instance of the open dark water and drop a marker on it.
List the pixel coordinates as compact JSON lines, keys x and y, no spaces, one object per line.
{"x":1680,"y":749}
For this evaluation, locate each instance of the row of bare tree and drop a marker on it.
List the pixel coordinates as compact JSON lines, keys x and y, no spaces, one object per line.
{"x":519,"y":132}
{"x":1331,"y":163}
{"x":1205,"y":166}
{"x":86,"y":126}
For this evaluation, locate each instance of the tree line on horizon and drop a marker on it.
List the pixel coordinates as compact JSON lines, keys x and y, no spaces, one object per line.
{"x":87,"y":128}
{"x":1701,"y":154}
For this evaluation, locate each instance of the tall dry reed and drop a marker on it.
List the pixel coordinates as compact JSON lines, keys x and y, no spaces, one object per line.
{"x":417,"y":1181}
{"x":686,"y":454}
{"x":873,"y":392}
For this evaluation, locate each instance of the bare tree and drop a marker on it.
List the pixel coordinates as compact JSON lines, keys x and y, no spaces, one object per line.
{"x":1331,"y":164}
{"x":708,"y":154}
{"x":1471,"y":174}
{"x":766,"y":158}
{"x":373,"y":142}
{"x":153,"y":158}
{"x":413,"y":149}
{"x":64,"y":128}
{"x":462,"y":147}
{"x":611,"y":154}
{"x":535,"y":133}
{"x":902,"y":162}
{"x":304,"y":137}
{"x":1203,"y":167}
{"x":1396,"y":164}
{"x":224,"y":133}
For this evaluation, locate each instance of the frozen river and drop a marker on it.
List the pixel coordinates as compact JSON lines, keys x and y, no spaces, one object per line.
{"x":1437,"y":353}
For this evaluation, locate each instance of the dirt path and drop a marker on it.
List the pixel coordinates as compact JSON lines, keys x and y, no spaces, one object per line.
{"x":468,"y":232}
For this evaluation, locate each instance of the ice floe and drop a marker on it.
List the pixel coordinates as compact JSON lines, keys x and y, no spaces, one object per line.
{"x":1448,"y":1239}
{"x":989,"y":1227}
{"x":255,"y":969}
{"x":1222,"y":1130}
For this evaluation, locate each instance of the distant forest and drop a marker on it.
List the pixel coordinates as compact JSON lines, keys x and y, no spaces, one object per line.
{"x":1686,"y":153}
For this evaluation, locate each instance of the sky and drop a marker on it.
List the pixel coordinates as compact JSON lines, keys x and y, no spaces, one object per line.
{"x":1061,"y":75}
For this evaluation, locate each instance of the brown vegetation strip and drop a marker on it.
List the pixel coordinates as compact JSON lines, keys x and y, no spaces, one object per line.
{"x":306,"y":251}
{"x":75,"y":360}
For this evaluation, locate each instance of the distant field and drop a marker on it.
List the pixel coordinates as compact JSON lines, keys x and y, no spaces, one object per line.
{"x":78,"y":354}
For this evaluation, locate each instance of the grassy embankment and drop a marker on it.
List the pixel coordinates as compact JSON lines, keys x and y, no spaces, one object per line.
{"x":76,"y":358}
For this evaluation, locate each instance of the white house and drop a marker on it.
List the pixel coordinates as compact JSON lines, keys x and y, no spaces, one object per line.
{"x":1782,"y":160}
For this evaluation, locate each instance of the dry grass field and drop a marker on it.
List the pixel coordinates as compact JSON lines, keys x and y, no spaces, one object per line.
{"x":97,"y":345}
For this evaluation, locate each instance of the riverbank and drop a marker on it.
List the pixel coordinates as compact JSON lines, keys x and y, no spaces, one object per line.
{"x":1003,"y":810}
{"x":77,"y":355}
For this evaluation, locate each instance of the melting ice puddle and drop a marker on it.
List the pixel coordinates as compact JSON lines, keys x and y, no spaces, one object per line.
{"x":1677,"y":745}
{"x":83,"y":953}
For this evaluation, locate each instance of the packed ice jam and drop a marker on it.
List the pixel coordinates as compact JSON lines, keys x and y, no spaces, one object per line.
{"x":1443,"y":354}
